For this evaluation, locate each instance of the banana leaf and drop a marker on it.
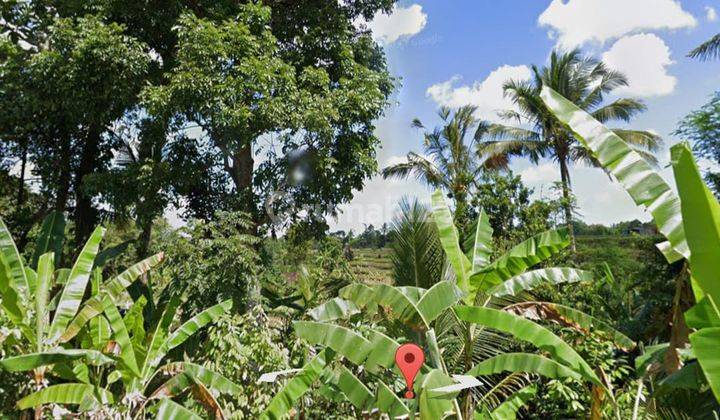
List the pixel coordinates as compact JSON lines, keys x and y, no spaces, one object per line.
{"x":450,"y":240}
{"x":434,"y":408}
{"x":168,"y":409}
{"x":569,"y":317}
{"x":388,"y":402}
{"x":355,"y":391}
{"x":51,"y":238}
{"x":284,"y":400}
{"x":11,"y":264}
{"x":520,"y":257}
{"x":703,"y":315}
{"x":508,"y":409}
{"x":42,"y":314}
{"x":646,"y":187}
{"x":114,"y":288}
{"x":523,"y":362}
{"x":701,"y":216}
{"x":382,"y":351}
{"x":195,"y":323}
{"x":342,"y":340}
{"x":534,"y":278}
{"x":31,"y":361}
{"x":482,"y":247}
{"x":529,"y":331}
{"x":705,"y":346}
{"x":127,"y":352}
{"x":11,"y":303}
{"x":437,"y":299}
{"x":333,"y":309}
{"x":211,"y":380}
{"x":65,"y":394}
{"x":74,"y":289}
{"x":159,"y":334}
{"x":701,"y":219}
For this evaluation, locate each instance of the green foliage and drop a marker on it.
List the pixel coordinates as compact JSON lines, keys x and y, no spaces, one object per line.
{"x":211,"y":261}
{"x":240,"y":348}
{"x":451,"y":164}
{"x":361,"y":325}
{"x":702,"y":128}
{"x":513,"y":215}
{"x":568,"y":398}
{"x":584,"y":82}
{"x":691,"y":223}
{"x":646,"y":187}
{"x":417,"y":256}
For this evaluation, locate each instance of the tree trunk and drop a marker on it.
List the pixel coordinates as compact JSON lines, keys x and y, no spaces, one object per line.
{"x":242,"y":171}
{"x":145,"y":235}
{"x":567,"y":205}
{"x":679,"y":331}
{"x":63,"y":189}
{"x":85,"y":214}
{"x":21,"y":185}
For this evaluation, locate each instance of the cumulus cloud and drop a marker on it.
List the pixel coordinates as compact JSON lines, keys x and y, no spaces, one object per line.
{"x":575,"y":22}
{"x":545,"y":173}
{"x":710,"y":14}
{"x":644,"y":59}
{"x":487,"y":95}
{"x":403,"y":22}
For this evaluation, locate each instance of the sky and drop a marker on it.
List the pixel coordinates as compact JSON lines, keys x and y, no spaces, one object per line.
{"x":460,"y":52}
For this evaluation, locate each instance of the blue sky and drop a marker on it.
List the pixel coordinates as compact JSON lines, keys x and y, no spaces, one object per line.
{"x":457,"y":52}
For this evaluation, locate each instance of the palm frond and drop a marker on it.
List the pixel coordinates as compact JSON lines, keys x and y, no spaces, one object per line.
{"x":622,"y":109}
{"x":417,"y":256}
{"x":423,"y":169}
{"x":644,"y":140}
{"x":709,"y":49}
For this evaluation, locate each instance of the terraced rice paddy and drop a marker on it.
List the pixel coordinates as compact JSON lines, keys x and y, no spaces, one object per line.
{"x":372,"y":265}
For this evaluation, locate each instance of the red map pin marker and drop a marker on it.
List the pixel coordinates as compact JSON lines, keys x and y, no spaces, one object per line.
{"x":409,"y":358}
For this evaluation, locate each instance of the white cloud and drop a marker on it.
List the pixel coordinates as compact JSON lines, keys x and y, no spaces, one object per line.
{"x":377,"y":203}
{"x":403,"y":22}
{"x":394,"y":160}
{"x":710,"y":14}
{"x":545,"y":173}
{"x":487,"y":95}
{"x":644,"y":59}
{"x":575,"y":22}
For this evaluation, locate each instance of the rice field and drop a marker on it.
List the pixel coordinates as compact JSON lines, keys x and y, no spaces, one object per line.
{"x":372,"y":265}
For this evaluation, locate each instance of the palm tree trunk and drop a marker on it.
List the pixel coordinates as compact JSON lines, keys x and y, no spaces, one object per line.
{"x":567,"y":205}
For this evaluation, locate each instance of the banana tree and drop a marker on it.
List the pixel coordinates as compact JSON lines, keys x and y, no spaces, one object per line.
{"x":347,"y":328}
{"x":136,"y":357}
{"x":29,"y":297}
{"x":690,"y":221}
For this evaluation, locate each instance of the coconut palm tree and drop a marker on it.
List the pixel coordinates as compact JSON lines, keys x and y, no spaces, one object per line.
{"x":537,"y":133}
{"x":449,"y":162}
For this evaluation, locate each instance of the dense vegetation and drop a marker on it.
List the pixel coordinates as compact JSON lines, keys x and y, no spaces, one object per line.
{"x":256,"y":120}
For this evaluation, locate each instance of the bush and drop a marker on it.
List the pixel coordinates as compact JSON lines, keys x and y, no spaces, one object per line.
{"x":241,"y":348}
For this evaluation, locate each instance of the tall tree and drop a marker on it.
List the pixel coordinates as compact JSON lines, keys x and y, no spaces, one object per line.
{"x":702,"y":127}
{"x":288,"y":104}
{"x":538,"y":134}
{"x":74,"y":77}
{"x":449,"y":161}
